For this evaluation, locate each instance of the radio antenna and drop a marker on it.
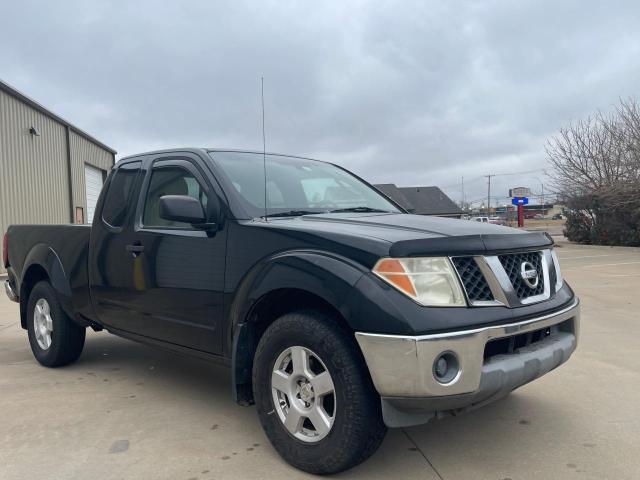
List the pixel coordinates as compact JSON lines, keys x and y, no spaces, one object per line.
{"x":264,"y":150}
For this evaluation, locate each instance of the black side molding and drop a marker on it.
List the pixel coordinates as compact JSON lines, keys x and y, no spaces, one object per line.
{"x":471,"y":244}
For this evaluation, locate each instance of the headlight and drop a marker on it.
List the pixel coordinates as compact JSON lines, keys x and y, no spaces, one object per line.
{"x":556,"y":264}
{"x":430,"y":281}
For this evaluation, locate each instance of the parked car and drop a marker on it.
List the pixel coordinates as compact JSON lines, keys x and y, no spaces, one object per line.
{"x":338,"y":313}
{"x":557,"y":216}
{"x":480,"y":219}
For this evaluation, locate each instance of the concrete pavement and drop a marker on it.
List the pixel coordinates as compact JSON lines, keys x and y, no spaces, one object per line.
{"x":126,"y":411}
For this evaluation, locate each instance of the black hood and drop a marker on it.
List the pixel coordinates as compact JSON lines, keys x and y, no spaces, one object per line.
{"x":407,"y":234}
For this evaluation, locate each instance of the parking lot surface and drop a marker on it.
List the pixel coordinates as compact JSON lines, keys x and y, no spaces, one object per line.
{"x":126,"y":411}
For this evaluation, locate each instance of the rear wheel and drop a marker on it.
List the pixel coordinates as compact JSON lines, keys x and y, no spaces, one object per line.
{"x":314,"y":396}
{"x":55,"y":340}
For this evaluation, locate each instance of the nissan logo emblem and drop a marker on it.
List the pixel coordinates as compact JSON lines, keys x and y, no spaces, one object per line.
{"x":529,"y":274}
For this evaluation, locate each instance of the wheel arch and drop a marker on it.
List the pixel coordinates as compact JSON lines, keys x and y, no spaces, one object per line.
{"x":284,"y":283}
{"x":42,"y":263}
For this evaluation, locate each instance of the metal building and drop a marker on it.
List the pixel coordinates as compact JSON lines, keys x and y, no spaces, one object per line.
{"x":50,"y":170}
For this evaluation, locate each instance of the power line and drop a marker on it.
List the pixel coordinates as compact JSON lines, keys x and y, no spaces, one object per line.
{"x":474,"y":179}
{"x":459,"y":187}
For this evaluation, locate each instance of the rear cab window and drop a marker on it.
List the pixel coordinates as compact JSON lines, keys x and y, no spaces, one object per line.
{"x":117,"y":203}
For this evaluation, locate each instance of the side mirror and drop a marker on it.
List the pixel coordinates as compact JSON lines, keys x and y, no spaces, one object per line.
{"x":181,"y":208}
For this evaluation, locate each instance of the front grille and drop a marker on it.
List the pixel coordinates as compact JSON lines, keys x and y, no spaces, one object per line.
{"x":472,"y":278}
{"x":512,"y":264}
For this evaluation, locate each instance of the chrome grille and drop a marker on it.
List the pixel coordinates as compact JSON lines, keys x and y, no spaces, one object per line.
{"x":473,"y":280}
{"x":501,"y":279}
{"x":512,"y":264}
{"x":553,"y":277}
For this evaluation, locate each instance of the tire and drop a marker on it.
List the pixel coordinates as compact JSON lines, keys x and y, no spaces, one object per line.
{"x":65,"y":340}
{"x":352,"y":410}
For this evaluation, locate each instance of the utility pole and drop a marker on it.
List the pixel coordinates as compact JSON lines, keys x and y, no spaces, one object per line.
{"x":541,"y":197}
{"x":489,"y":194}
{"x":463,"y":200}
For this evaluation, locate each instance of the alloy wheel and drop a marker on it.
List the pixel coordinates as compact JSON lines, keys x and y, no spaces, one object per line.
{"x":303,"y":394}
{"x":43,"y":324}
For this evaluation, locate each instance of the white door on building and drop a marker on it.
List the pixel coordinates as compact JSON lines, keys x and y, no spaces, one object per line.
{"x":93,"y":186}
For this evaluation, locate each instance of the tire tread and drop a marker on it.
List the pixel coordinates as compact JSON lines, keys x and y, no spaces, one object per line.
{"x":68,"y":338}
{"x":364,"y":430}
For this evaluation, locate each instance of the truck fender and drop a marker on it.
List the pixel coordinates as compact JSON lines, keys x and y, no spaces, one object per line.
{"x":43,"y":256}
{"x":327,"y":276}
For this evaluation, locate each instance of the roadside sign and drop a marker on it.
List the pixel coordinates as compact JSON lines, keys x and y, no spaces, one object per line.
{"x":520,"y":201}
{"x":520,"y":192}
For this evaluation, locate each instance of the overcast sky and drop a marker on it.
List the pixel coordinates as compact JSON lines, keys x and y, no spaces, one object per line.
{"x":412,"y":93}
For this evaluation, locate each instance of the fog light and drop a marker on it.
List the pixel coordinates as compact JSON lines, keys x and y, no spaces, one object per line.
{"x":446,"y":367}
{"x":441,"y":367}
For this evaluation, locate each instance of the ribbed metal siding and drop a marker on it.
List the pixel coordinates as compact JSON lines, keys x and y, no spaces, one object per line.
{"x":34,"y":185}
{"x":34,"y":170}
{"x":84,"y":152}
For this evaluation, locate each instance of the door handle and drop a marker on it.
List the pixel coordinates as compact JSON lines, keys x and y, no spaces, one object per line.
{"x":135,"y":249}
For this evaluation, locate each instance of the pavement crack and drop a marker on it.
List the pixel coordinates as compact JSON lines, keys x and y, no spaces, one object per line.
{"x":421,"y":453}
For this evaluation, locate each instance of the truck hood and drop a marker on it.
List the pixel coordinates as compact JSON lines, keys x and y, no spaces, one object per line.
{"x":407,"y":234}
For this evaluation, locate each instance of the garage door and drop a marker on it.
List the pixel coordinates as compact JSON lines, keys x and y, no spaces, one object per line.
{"x":93,"y":185}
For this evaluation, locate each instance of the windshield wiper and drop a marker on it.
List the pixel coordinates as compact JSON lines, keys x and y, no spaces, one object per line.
{"x":298,"y":213}
{"x":291,"y":213}
{"x":359,"y":210}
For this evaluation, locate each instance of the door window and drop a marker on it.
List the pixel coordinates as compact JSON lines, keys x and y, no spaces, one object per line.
{"x":170,"y":180}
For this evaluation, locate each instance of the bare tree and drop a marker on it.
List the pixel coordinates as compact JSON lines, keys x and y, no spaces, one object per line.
{"x":596,"y":170}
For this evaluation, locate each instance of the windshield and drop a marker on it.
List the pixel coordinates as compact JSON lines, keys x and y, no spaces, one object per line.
{"x":296,"y":186}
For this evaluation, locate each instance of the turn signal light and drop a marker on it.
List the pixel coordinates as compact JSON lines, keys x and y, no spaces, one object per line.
{"x":394,"y":272}
{"x":430,"y":281}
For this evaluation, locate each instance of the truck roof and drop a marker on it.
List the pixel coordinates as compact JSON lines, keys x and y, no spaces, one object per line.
{"x":204,"y":150}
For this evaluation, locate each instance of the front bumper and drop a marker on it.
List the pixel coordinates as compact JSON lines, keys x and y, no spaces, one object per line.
{"x":402,"y":367}
{"x":13,"y":296}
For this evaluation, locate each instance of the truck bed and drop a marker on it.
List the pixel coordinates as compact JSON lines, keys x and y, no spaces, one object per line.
{"x":69,"y":244}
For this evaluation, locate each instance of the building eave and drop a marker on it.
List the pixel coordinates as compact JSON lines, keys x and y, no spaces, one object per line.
{"x":5,"y":87}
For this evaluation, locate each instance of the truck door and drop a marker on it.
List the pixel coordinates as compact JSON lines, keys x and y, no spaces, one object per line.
{"x":111,"y":271}
{"x":178,"y":270}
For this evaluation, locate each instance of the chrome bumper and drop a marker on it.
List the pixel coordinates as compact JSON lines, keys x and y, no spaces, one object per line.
{"x":402,"y":367}
{"x":10,"y":292}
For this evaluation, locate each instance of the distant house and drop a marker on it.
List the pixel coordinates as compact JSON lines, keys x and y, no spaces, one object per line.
{"x":422,"y":200}
{"x":395,"y":194}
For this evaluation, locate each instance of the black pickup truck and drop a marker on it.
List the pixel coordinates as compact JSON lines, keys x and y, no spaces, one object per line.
{"x":339,"y":313}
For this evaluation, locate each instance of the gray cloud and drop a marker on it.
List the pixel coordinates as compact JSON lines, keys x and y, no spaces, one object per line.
{"x":405,"y":92}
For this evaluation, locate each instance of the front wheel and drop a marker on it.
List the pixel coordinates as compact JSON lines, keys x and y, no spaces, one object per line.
{"x":55,"y":340}
{"x":314,"y":396}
